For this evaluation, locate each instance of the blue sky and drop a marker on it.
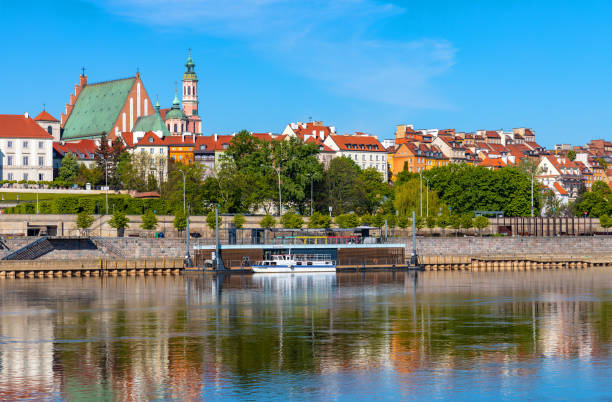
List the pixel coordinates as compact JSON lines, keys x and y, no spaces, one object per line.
{"x":361,"y":65}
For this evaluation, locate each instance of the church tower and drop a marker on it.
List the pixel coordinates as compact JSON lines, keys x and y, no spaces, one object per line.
{"x":190,"y":97}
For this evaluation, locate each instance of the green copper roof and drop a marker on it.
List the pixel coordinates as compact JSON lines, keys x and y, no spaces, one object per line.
{"x":190,"y":74}
{"x":97,"y":109}
{"x":175,"y":111}
{"x":152,"y":122}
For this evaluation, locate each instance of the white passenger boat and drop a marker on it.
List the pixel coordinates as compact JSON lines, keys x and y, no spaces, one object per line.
{"x":295,"y":263}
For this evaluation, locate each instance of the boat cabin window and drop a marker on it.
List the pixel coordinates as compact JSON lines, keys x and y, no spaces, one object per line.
{"x":309,"y":262}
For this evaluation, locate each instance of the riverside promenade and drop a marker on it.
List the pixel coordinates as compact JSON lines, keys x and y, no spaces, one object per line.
{"x":99,"y":256}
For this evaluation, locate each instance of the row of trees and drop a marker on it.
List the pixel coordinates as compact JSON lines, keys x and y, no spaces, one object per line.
{"x":250,"y":174}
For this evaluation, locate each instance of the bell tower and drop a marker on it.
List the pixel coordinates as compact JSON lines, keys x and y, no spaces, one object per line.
{"x":190,"y":97}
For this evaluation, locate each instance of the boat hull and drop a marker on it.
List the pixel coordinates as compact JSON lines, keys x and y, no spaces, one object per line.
{"x":292,"y":270}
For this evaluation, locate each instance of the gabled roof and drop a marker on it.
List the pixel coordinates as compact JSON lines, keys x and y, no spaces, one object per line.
{"x":45,"y":116}
{"x":559,"y":188}
{"x":19,"y":126}
{"x":84,"y":149}
{"x":267,"y":137}
{"x":493,"y":162}
{"x":308,"y":128}
{"x":492,"y":134}
{"x":150,"y":139}
{"x":357,"y":143}
{"x":322,"y":147}
{"x":97,"y":109}
{"x":128,"y":138}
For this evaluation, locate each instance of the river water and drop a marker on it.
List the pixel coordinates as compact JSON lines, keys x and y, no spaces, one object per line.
{"x":460,"y":335}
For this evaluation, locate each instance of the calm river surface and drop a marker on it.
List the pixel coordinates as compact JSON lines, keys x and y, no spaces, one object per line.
{"x":536,"y":335}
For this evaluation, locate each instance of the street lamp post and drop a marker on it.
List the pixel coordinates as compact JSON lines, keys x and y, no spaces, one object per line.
{"x":280,"y":199}
{"x":427,"y":184}
{"x":106,"y":181}
{"x":532,"y":174}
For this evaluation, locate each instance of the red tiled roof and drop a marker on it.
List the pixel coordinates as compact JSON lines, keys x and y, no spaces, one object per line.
{"x":492,"y":134}
{"x":263,"y":136}
{"x":150,"y":139}
{"x":320,"y":144}
{"x":178,"y":140}
{"x":19,"y":126}
{"x":45,"y":116}
{"x":209,"y":142}
{"x":147,"y":194}
{"x":128,"y":138}
{"x":86,"y":148}
{"x":493,"y":162}
{"x":560,"y":189}
{"x":356,"y":142}
{"x":302,"y":131}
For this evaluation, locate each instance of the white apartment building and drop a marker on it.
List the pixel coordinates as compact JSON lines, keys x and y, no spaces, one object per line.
{"x":365,"y":150}
{"x":26,"y":149}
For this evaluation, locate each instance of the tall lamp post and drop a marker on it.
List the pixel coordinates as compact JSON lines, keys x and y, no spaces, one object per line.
{"x":311,"y":194}
{"x":280,"y":199}
{"x":106,"y":181}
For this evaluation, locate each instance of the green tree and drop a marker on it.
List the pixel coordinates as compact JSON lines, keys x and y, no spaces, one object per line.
{"x":292,"y":220}
{"x":378,"y":220}
{"x":481,"y":222}
{"x":84,"y":220}
{"x":571,"y":155}
{"x":267,"y":222}
{"x":455,"y":222}
{"x":239,"y":220}
{"x":605,"y":222}
{"x":419,"y":222}
{"x":319,"y":221}
{"x":443,"y":222}
{"x":367,"y":220}
{"x":149,"y":220}
{"x":403,"y":221}
{"x":69,"y":168}
{"x":340,"y":187}
{"x":119,"y":221}
{"x":467,"y":222}
{"x":430,"y":221}
{"x":211,"y":220}
{"x":347,"y":221}
{"x":180,"y":220}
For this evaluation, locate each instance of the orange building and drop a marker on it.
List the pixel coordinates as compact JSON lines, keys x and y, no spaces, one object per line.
{"x":416,"y":157}
{"x":180,"y":147}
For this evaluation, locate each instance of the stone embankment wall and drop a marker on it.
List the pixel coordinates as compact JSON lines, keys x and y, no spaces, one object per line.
{"x":139,"y":248}
{"x":483,"y":246}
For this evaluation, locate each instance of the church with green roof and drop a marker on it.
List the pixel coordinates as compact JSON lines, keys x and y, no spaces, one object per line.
{"x":109,"y":107}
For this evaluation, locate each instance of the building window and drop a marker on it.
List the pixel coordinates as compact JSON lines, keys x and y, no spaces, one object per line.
{"x":41,"y":177}
{"x":161,"y":151}
{"x":180,"y":157}
{"x":168,"y":126}
{"x":25,"y":161}
{"x":175,"y":128}
{"x":41,"y":161}
{"x":9,"y":144}
{"x":41,"y":144}
{"x":50,"y":130}
{"x":10,"y":176}
{"x":9,"y":160}
{"x":25,"y":176}
{"x":188,"y":90}
{"x":25,"y":144}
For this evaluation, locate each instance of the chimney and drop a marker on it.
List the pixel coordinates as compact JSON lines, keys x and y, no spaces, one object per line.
{"x":215,"y":137}
{"x":26,"y":114}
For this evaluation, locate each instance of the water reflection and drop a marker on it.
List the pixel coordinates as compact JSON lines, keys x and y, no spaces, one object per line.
{"x":305,"y":336}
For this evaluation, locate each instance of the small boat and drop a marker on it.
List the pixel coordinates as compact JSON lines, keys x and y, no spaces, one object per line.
{"x":295,"y":263}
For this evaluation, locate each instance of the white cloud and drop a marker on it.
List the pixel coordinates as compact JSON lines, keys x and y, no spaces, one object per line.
{"x":326,"y":41}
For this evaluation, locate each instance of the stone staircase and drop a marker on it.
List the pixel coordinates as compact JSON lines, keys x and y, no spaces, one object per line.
{"x":32,"y":251}
{"x":108,"y":248}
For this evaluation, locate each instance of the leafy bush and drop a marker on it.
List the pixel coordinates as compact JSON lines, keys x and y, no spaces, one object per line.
{"x":378,"y":221}
{"x":211,"y":220}
{"x":149,"y":220}
{"x":430,"y":222}
{"x":267,"y":222}
{"x":119,"y":220}
{"x":180,"y":220}
{"x":319,"y":221}
{"x":367,"y":220}
{"x":481,"y":222}
{"x":347,"y":221}
{"x":84,"y":220}
{"x":467,"y":222}
{"x":403,"y":222}
{"x":291,"y":220}
{"x":239,"y":220}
